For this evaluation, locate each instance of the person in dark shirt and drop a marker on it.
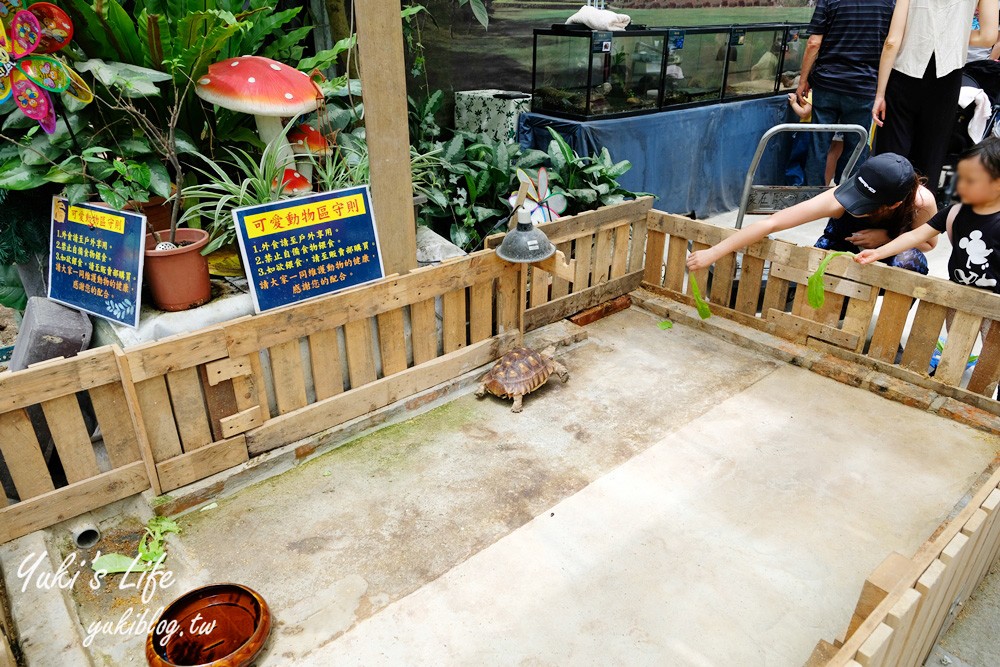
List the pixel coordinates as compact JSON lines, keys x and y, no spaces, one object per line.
{"x":882,"y":200}
{"x":973,"y":226}
{"x":840,"y":66}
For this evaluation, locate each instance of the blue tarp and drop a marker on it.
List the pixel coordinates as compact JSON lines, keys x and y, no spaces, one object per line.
{"x":694,"y":160}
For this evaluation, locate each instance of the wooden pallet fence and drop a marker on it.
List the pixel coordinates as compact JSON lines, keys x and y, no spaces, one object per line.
{"x":764,"y":287}
{"x":52,"y":402}
{"x":194,"y":403}
{"x":608,"y":247}
{"x":928,"y":590}
{"x":338,"y":358}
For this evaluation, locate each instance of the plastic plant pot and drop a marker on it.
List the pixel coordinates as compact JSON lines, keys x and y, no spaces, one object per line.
{"x":221,"y":625}
{"x":178,"y":279}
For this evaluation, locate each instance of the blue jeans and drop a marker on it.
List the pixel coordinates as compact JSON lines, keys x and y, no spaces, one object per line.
{"x":834,"y":107}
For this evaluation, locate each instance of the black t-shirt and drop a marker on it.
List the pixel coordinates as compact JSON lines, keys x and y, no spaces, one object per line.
{"x":975,"y":253}
{"x":838,"y":229}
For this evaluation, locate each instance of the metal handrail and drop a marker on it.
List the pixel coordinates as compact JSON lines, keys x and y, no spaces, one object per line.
{"x":791,"y":192}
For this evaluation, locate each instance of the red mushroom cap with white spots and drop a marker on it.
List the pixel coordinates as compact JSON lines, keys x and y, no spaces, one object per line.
{"x":307,"y":138}
{"x":293,"y":183}
{"x":259,"y":86}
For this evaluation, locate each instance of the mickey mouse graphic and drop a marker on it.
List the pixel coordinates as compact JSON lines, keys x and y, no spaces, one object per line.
{"x":977,"y":253}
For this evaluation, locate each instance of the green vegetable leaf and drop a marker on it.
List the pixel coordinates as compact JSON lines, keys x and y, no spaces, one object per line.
{"x":703,"y":310}
{"x":815,"y":293}
{"x":665,"y":324}
{"x":118,"y":563}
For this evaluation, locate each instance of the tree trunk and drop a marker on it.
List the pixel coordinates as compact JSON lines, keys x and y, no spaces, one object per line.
{"x":339,"y":14}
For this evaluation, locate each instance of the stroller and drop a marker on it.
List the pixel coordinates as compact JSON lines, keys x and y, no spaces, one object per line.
{"x":982,"y":76}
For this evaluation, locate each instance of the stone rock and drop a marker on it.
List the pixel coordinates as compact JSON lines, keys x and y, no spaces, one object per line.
{"x":433,"y":248}
{"x":49,"y":330}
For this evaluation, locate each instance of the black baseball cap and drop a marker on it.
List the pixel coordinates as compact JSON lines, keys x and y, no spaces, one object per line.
{"x":882,"y":180}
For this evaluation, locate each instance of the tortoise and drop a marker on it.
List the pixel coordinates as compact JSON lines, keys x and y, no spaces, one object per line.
{"x":520,"y":372}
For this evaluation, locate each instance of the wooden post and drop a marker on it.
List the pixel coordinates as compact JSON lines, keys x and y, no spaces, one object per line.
{"x":383,"y":89}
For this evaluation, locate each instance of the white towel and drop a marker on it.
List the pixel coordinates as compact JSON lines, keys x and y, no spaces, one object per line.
{"x":979,"y":120}
{"x":600,"y":19}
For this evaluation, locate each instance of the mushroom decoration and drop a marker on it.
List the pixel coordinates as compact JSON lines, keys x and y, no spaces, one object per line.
{"x":292,"y":183}
{"x":306,"y":140}
{"x":263,"y":87}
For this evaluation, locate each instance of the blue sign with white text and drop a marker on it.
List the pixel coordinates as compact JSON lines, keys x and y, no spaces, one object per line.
{"x":95,"y":260}
{"x":310,"y":246}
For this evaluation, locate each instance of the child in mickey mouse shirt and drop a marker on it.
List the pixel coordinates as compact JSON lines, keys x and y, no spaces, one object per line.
{"x":973,"y":226}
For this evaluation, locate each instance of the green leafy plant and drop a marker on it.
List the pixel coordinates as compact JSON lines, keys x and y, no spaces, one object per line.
{"x":151,"y":549}
{"x":815,"y":294}
{"x":468,"y":185}
{"x":12,"y":294}
{"x":256,"y":181}
{"x":704,"y":312}
{"x":128,"y":180}
{"x":24,"y":225}
{"x":479,"y":10}
{"x":117,"y":148}
{"x":587,"y":182}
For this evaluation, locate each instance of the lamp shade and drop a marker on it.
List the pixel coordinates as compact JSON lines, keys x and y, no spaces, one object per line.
{"x":526,"y":243}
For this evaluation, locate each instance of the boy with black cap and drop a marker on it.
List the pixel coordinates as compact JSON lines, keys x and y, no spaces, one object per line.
{"x":881,"y":201}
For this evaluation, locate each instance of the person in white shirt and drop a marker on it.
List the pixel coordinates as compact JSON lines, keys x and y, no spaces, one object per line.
{"x":920,"y":77}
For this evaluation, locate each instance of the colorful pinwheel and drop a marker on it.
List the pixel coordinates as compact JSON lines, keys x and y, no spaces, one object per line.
{"x":29,"y":76}
{"x":545,"y":206}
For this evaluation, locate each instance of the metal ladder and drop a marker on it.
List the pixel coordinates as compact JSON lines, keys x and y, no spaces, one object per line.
{"x":768,"y":199}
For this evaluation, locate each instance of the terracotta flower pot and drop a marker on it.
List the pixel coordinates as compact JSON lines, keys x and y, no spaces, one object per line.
{"x":178,"y":279}
{"x":157,"y":212}
{"x":220,"y":625}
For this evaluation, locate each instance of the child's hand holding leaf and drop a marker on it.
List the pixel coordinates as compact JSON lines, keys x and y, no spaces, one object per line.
{"x":866,"y":257}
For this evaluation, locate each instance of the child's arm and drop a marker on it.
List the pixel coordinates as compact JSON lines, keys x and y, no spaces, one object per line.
{"x":801,"y":110}
{"x":824,"y":205}
{"x":910,"y":239}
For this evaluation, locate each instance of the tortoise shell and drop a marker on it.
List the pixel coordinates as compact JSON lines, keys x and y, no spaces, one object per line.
{"x":517,"y":373}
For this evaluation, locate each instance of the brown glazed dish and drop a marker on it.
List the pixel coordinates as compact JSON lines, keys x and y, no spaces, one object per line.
{"x":221,"y":625}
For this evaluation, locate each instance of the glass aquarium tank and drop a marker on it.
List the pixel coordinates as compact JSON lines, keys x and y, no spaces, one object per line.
{"x":796,"y":37}
{"x":755,"y":59}
{"x":696,"y":65}
{"x":583,"y":74}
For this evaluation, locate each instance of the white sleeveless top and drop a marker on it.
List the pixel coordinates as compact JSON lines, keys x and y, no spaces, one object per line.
{"x":936,"y":27}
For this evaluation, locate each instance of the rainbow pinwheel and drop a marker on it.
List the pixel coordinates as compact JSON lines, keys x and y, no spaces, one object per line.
{"x":545,"y":205}
{"x":29,"y":75}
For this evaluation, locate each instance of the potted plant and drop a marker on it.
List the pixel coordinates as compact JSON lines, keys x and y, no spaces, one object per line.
{"x":239,"y":181}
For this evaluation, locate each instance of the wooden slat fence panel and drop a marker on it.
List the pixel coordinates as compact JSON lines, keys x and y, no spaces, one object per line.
{"x":45,"y":400}
{"x":856,"y":297}
{"x":608,"y":248}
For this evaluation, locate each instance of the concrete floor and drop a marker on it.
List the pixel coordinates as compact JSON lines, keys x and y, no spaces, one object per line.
{"x":680,"y":501}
